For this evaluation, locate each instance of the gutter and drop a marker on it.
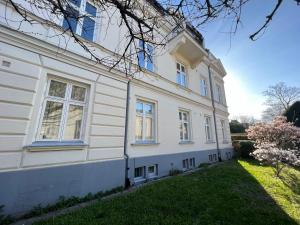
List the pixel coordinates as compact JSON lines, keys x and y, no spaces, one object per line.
{"x":127,"y":181}
{"x":214,"y":109}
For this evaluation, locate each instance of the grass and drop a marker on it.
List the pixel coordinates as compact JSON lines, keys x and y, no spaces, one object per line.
{"x":235,"y":192}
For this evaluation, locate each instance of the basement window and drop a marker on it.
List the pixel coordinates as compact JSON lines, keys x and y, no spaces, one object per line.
{"x":139,"y":173}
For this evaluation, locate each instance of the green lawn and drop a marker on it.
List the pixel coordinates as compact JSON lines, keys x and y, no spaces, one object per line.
{"x":236,"y":192}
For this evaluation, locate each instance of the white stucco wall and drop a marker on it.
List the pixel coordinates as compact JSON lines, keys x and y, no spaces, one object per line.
{"x":33,"y":58}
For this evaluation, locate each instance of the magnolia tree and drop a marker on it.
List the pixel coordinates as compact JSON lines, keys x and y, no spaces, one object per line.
{"x":277,"y":143}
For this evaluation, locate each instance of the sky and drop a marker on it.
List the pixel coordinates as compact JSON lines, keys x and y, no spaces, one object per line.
{"x":252,"y":66}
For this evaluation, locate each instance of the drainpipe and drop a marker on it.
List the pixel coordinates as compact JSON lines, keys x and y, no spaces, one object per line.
{"x":127,"y":182}
{"x":214,"y":109}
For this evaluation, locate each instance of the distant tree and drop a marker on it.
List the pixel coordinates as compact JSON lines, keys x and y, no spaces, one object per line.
{"x":236,"y":127}
{"x":279,"y":98}
{"x":293,"y":114}
{"x":276,"y":143}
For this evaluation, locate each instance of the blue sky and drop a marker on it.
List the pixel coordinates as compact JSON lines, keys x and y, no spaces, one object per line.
{"x":253,"y":66}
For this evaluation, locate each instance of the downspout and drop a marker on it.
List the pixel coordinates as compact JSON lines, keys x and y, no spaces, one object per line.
{"x":214,"y":109}
{"x":127,"y":182}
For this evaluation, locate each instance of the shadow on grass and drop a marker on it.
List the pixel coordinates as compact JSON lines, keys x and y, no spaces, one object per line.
{"x":226,"y":194}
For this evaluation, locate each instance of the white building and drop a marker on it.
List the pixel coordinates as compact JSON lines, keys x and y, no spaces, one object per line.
{"x":64,"y":130}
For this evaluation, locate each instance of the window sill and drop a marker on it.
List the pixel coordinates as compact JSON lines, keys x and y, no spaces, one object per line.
{"x":186,"y":88}
{"x":144,"y":143}
{"x":55,"y":146}
{"x":186,"y":142}
{"x":210,"y":142}
{"x":139,"y":180}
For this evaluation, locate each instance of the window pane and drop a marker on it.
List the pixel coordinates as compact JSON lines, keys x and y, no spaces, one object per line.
{"x":141,"y":55}
{"x":139,"y":172}
{"x":75,"y":2}
{"x":88,"y":27}
{"x":178,"y":78}
{"x":51,"y":120}
{"x":180,"y":115}
{"x":183,"y":80}
{"x":150,"y":57}
{"x":151,"y":169}
{"x":139,"y":107}
{"x":181,"y":131}
{"x":182,"y":68}
{"x":90,"y":9}
{"x":73,"y":126}
{"x":148,"y":108}
{"x":178,"y":66}
{"x":78,"y":93}
{"x":185,"y":131}
{"x":148,"y":135}
{"x":138,"y":128}
{"x":185,"y":116}
{"x":57,"y":89}
{"x":72,"y":18}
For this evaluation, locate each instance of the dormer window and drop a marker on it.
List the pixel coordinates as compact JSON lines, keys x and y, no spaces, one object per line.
{"x":80,"y":19}
{"x":145,"y":55}
{"x":181,"y":75}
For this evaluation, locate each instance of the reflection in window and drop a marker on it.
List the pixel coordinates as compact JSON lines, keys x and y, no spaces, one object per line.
{"x":63,"y":111}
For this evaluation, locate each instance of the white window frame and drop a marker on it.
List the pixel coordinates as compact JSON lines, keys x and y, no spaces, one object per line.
{"x":203,"y":87}
{"x":208,"y":127}
{"x":146,"y":54}
{"x":185,"y":164}
{"x":182,"y":122}
{"x":144,"y":115}
{"x":192,"y":162}
{"x":66,"y":101}
{"x":219,"y":93}
{"x":181,"y":75}
{"x":154,"y":174}
{"x":142,"y":177}
{"x":223,"y":129}
{"x":81,"y":11}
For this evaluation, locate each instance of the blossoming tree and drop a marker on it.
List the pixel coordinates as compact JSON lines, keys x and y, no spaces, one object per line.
{"x":277,"y":143}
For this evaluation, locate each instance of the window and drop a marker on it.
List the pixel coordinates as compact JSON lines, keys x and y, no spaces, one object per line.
{"x":203,"y":87}
{"x":185,"y":164}
{"x":144,"y":122}
{"x":228,"y":155}
{"x":81,"y":18}
{"x":223,"y":128}
{"x":63,"y":111}
{"x":192,"y":162}
{"x":208,"y":132}
{"x":212,"y":157}
{"x":181,"y":75}
{"x":152,"y":171}
{"x":139,"y":173}
{"x":145,"y":55}
{"x":184,"y":128}
{"x":215,"y":157}
{"x":218,"y":93}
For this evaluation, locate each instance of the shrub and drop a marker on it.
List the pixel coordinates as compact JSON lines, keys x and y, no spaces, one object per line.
{"x":243,"y":149}
{"x":242,"y":136}
{"x":277,"y":143}
{"x":4,"y":219}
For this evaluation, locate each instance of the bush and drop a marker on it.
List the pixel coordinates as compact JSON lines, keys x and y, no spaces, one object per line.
{"x":243,"y":148}
{"x":242,"y":136}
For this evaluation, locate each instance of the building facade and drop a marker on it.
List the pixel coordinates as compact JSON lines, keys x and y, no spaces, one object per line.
{"x":70,"y":126}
